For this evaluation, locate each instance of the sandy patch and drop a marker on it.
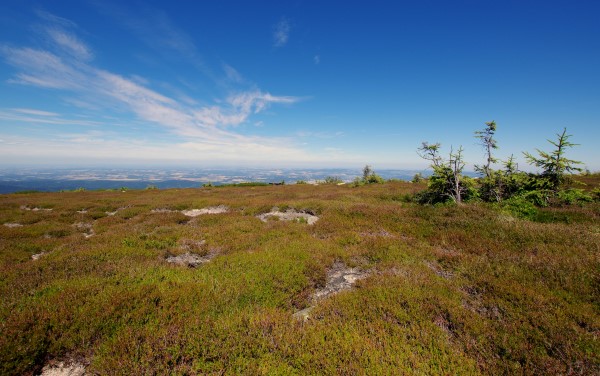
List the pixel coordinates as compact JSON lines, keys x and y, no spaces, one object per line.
{"x":209,"y":210}
{"x":289,"y":215}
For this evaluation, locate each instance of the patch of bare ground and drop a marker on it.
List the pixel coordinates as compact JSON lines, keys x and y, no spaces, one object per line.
{"x":162,"y":210}
{"x":87,"y":228}
{"x":37,"y":256}
{"x":339,"y":278}
{"x":13,"y":225}
{"x":192,"y":260}
{"x":209,"y":210}
{"x":112,"y":213}
{"x":290,"y":215}
{"x":63,"y":369}
{"x":35,"y":209}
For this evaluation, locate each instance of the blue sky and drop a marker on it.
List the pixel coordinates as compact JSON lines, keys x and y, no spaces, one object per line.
{"x":293,"y":84}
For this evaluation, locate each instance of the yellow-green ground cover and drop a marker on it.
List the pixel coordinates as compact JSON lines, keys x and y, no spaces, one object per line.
{"x":451,"y":290}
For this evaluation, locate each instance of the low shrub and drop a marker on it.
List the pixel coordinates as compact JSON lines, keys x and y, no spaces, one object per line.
{"x":574,"y":196}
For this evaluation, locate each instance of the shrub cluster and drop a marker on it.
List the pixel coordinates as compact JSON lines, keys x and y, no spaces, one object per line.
{"x":514,"y":190}
{"x":368,"y":177}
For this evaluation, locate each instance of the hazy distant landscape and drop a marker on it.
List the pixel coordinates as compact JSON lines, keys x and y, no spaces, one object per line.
{"x":51,"y":179}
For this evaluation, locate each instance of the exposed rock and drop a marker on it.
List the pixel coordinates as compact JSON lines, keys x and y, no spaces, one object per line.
{"x":210,"y":210}
{"x":110,"y":214}
{"x":13,"y":225}
{"x":339,"y":278}
{"x":162,"y":210}
{"x":304,"y":314}
{"x":24,"y":207}
{"x":289,"y":215}
{"x":82,"y":211}
{"x":86,"y":227}
{"x":191,"y":260}
{"x":63,"y":369}
{"x":37,"y":256}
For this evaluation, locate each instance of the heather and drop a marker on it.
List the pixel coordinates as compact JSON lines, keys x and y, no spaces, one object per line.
{"x":473,"y":288}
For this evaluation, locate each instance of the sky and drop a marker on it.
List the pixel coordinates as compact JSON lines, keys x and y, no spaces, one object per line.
{"x":293,"y":83}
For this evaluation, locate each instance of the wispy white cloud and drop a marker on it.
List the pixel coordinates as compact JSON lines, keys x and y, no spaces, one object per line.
{"x":317,"y":59}
{"x":31,"y":111}
{"x":43,"y":68}
{"x":67,"y":65}
{"x":33,"y":116}
{"x":281,"y":34}
{"x":155,"y":29}
{"x":54,"y":19}
{"x":232,"y":74}
{"x":70,"y":43}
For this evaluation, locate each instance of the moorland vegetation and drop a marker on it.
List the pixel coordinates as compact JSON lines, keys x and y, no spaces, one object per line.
{"x":506,"y":282}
